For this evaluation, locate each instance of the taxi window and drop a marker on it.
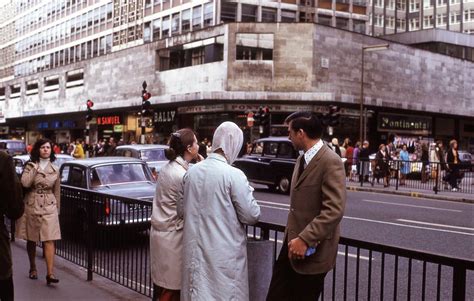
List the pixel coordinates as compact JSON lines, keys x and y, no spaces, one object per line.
{"x":77,"y":178}
{"x":286,"y":151}
{"x":65,"y":174}
{"x":257,"y":148}
{"x":270,"y":148}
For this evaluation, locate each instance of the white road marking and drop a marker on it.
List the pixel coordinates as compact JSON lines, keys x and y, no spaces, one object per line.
{"x":273,"y":207}
{"x":408,"y":226}
{"x":436,"y":225}
{"x":273,"y":203}
{"x":408,"y":205}
{"x":338,"y":253}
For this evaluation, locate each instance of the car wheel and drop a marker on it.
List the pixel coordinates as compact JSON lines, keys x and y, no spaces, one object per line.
{"x":284,"y":185}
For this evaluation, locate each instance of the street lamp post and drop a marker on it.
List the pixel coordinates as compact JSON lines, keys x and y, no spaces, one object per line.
{"x":361,"y":109}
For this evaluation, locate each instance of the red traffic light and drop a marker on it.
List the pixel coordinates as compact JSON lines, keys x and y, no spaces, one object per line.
{"x":90,"y":103}
{"x":146,"y":96}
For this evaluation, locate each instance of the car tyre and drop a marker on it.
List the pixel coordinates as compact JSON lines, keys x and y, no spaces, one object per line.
{"x":284,"y":185}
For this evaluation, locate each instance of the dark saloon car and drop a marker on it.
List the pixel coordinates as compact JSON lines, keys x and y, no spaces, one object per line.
{"x":114,"y":176}
{"x":152,"y":154}
{"x":271,"y":162}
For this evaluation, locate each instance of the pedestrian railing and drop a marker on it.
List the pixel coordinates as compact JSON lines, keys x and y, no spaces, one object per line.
{"x":109,"y":236}
{"x":430,"y":176}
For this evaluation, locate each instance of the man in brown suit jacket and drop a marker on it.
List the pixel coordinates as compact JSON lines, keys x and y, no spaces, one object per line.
{"x":11,"y":205}
{"x":318,"y":196}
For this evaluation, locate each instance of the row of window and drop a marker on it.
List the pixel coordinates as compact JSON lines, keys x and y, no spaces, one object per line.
{"x":70,"y":28}
{"x":428,"y":21}
{"x":86,"y":50}
{"x":48,"y":12}
{"x":194,"y":18}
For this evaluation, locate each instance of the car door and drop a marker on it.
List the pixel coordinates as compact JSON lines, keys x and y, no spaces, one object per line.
{"x":270,"y":150}
{"x":76,"y":176}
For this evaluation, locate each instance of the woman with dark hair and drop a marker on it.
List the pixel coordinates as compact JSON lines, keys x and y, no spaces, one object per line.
{"x":41,"y":219}
{"x":166,"y":234}
{"x":382,"y":167}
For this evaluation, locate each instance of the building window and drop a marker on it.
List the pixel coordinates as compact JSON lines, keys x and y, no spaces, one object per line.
{"x":288,"y":16}
{"x":269,"y":14}
{"x":358,"y":26}
{"x":197,"y":56}
{"x":250,"y":46}
{"x":342,"y":23}
{"x":147,"y":32}
{"x":186,"y":20}
{"x":208,"y":14}
{"x":197,"y":17}
{"x":175,"y":24}
{"x":249,"y":13}
{"x":75,"y":78}
{"x":325,"y":20}
{"x":166,"y":27}
{"x":156,"y":29}
{"x":228,"y":12}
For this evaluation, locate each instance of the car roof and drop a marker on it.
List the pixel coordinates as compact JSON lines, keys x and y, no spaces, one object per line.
{"x":275,"y":139}
{"x":27,"y":156}
{"x":104,"y":160}
{"x":11,"y":140}
{"x":143,"y":146}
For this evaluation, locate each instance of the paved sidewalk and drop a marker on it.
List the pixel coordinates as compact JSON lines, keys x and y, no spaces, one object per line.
{"x":413,"y":192}
{"x":72,"y":286}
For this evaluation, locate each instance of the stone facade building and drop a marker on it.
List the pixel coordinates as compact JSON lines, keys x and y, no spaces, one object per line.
{"x":201,"y":78}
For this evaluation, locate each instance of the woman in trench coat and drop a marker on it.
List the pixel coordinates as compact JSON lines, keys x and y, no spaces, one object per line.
{"x":40,"y":221}
{"x":166,"y":235}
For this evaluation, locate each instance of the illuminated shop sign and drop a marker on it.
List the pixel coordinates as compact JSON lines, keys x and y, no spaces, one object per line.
{"x":404,"y":123}
{"x":109,"y":120}
{"x":56,"y":124}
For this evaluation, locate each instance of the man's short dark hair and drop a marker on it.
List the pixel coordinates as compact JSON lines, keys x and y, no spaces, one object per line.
{"x":306,"y":121}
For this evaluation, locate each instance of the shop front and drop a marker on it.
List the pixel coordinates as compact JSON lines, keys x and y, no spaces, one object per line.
{"x":110,"y":125}
{"x":60,"y":130}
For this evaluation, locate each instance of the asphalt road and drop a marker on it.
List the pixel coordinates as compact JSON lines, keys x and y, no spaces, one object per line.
{"x":440,"y":227}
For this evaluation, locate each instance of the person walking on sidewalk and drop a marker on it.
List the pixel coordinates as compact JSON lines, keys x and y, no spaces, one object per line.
{"x":382,"y":166}
{"x":317,"y":201}
{"x":11,"y":206}
{"x":217,"y":202}
{"x":364,"y":162}
{"x":40,"y":222}
{"x":166,"y":233}
{"x":452,"y":158}
{"x":404,"y":164}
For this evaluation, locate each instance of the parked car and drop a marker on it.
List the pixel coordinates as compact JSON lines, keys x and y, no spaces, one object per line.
{"x":271,"y":162}
{"x":152,"y":154}
{"x":21,"y":160}
{"x":467,"y":160}
{"x":13,"y":147}
{"x":118,"y":176}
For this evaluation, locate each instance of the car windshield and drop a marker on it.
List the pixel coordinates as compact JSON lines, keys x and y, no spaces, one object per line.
{"x":59,"y":161}
{"x":118,"y":173}
{"x":153,"y":155}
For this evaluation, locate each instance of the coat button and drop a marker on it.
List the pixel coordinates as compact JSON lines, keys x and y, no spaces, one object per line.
{"x":41,"y":206}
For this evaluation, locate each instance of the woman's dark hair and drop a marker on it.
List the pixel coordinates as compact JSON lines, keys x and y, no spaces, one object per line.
{"x":178,"y":143}
{"x":35,"y":151}
{"x":306,"y":121}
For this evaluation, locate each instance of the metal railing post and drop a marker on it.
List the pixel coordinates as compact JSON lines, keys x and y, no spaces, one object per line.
{"x":459,"y":283}
{"x":90,"y":236}
{"x":397,"y":174}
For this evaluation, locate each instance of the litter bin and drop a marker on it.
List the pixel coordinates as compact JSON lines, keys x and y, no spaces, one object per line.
{"x":260,"y":254}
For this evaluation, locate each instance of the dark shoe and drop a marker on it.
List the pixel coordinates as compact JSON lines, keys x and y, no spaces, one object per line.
{"x":51,"y":279}
{"x":33,"y":274}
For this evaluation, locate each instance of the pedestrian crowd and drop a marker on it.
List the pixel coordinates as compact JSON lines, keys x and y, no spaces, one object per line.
{"x":390,"y":162}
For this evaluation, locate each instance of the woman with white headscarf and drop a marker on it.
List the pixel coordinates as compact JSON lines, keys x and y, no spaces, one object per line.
{"x":218,"y":202}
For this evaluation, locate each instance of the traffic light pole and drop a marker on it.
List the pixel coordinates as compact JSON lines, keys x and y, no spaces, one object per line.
{"x":142,"y":123}
{"x":87,"y":138}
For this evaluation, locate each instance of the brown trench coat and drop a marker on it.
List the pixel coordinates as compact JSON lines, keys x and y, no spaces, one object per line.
{"x":40,"y":222}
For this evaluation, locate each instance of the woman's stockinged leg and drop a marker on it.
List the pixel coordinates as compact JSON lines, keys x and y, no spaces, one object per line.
{"x":49,"y":256}
{"x":31,"y":250}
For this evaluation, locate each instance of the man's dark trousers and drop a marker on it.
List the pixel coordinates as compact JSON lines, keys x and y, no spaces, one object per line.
{"x":288,"y":285}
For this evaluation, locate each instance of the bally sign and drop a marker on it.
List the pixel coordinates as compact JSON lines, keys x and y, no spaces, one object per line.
{"x":164,"y":116}
{"x":109,"y":120}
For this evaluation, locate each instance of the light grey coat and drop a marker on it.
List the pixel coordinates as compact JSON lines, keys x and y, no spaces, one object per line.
{"x":166,"y":235}
{"x":40,"y":222}
{"x":217,"y":202}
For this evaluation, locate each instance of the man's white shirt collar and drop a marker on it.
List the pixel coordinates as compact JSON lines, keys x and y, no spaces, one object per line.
{"x":310,"y":153}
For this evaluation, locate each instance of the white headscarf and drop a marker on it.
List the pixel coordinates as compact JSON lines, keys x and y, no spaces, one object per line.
{"x":228,"y":137}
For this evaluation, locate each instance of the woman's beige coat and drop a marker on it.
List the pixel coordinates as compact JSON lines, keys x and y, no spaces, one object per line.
{"x":40,"y":222}
{"x":166,"y":234}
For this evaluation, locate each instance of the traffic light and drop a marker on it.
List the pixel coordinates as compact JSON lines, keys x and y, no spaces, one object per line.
{"x":146,"y":105}
{"x":89,"y":105}
{"x":265,"y":122}
{"x":257,"y":117}
{"x":334,"y":114}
